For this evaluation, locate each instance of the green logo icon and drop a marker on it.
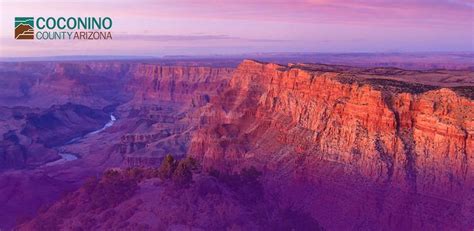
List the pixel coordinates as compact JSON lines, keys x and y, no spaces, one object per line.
{"x":24,"y":28}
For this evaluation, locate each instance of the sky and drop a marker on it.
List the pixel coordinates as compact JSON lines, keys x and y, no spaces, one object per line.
{"x":222,"y":27}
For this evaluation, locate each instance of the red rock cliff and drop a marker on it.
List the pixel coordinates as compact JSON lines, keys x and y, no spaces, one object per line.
{"x":422,"y":141}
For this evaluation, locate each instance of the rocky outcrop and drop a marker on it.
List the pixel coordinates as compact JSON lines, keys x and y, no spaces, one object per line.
{"x":415,"y":138}
{"x":387,"y":135}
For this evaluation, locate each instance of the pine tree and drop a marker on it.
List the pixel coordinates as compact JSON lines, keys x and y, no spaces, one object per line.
{"x":182,"y":175}
{"x":167,"y":167}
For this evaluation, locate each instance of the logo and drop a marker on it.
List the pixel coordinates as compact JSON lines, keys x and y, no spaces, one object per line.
{"x":24,"y":28}
{"x":63,"y":28}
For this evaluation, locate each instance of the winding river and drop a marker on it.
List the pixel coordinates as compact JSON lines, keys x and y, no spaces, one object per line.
{"x":67,"y":156}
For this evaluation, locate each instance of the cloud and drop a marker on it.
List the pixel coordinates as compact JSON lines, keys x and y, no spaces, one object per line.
{"x":185,"y":38}
{"x":185,"y":26}
{"x":374,"y":12}
{"x":415,"y":12}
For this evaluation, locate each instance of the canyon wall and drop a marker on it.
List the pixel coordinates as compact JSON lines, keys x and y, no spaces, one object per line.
{"x":154,"y":83}
{"x":162,"y":109}
{"x":99,"y":84}
{"x":417,"y":141}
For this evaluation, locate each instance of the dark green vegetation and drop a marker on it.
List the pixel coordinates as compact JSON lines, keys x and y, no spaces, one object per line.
{"x":180,"y":172}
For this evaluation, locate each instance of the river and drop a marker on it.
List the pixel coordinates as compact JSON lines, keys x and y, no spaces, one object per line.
{"x":67,"y":156}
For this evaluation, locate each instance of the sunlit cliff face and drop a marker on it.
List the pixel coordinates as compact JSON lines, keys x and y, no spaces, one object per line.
{"x":313,"y":126}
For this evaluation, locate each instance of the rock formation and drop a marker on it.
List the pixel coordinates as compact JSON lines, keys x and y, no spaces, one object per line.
{"x":418,"y":139}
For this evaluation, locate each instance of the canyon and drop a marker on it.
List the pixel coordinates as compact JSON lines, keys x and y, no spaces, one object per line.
{"x":335,"y":146}
{"x":46,"y":105}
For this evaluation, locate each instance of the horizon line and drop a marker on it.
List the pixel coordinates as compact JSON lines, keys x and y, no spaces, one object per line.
{"x":239,"y":54}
